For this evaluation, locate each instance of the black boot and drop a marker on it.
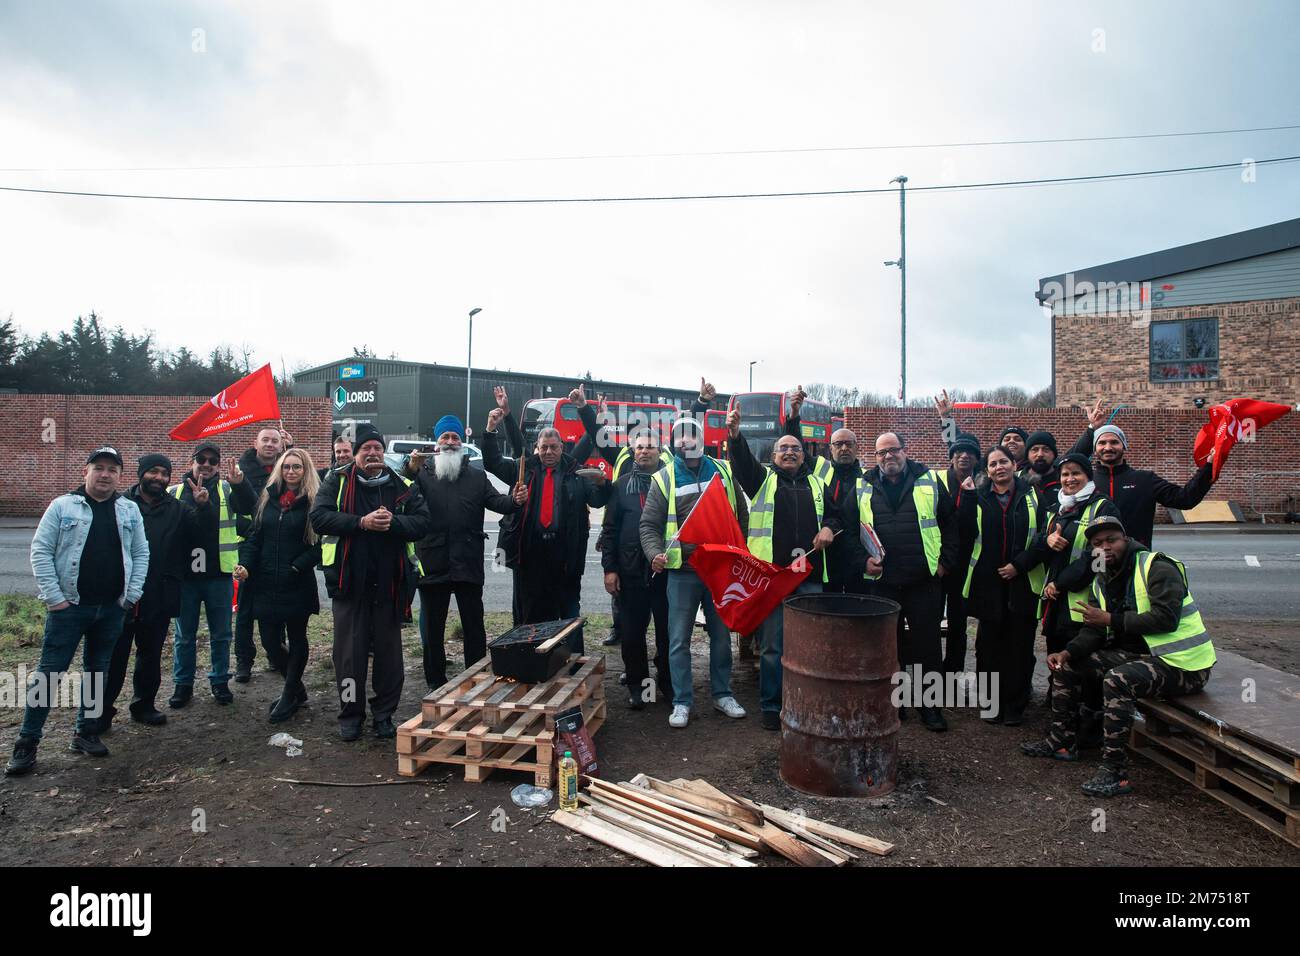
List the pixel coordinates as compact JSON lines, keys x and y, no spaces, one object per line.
{"x":89,"y":744}
{"x":384,"y":729}
{"x":932,"y":719}
{"x":243,"y":673}
{"x":222,"y":695}
{"x":285,"y":707}
{"x":181,"y":695}
{"x":24,"y":758}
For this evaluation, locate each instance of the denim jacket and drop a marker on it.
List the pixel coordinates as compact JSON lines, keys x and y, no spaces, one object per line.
{"x":61,"y":536}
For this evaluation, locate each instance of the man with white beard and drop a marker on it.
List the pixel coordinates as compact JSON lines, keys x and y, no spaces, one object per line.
{"x":451,"y":555}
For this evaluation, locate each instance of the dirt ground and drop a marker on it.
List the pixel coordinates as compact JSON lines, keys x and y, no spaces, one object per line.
{"x":966,"y":797}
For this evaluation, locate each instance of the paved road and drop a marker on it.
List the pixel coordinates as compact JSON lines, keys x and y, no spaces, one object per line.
{"x":1225,"y":583}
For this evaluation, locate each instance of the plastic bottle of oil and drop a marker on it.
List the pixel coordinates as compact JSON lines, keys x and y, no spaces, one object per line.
{"x":568,"y":782}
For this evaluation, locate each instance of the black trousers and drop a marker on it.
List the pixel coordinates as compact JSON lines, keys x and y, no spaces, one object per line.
{"x":637,"y":605}
{"x":149,"y":635}
{"x":245,"y":650}
{"x":275,"y":632}
{"x":1005,"y":648}
{"x":954,"y":655}
{"x":435,"y":601}
{"x":363,"y":627}
{"x":545,"y":596}
{"x":922,"y":603}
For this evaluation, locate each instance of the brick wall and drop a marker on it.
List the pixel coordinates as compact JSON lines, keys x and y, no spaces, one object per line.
{"x":1159,"y":440}
{"x":1109,"y":356}
{"x":35,"y":470}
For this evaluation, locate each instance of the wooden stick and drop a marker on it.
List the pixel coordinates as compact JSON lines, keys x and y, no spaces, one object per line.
{"x":638,"y":847}
{"x":724,"y":807}
{"x":550,"y":642}
{"x":778,"y":841}
{"x":828,"y":830}
{"x":708,"y":853}
{"x":335,"y":783}
{"x":709,"y":823}
{"x":686,"y":829}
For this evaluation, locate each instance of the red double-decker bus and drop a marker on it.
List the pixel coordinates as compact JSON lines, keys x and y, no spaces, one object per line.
{"x":763,"y":417}
{"x":620,"y":418}
{"x":715,"y":433}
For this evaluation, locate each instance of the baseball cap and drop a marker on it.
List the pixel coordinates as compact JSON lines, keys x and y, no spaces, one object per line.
{"x":107,"y":451}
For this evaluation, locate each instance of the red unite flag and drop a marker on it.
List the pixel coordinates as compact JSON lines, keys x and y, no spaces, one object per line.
{"x":251,"y":399}
{"x":1235,"y":420}
{"x":745,"y":589}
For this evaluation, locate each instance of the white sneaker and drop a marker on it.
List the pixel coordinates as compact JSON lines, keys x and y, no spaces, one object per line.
{"x":729,"y":706}
{"x":681,"y":716}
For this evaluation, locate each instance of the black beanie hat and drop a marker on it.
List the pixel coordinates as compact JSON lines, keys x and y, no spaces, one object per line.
{"x":1042,"y":438}
{"x":1080,"y":460}
{"x":152,"y":461}
{"x":365,"y":433}
{"x":965,"y":442}
{"x":1014,"y":429}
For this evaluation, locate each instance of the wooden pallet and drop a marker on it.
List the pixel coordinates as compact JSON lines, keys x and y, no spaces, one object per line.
{"x":1254,"y":780}
{"x":489,"y":723}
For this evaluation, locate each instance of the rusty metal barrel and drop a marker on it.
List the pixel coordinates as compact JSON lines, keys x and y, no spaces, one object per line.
{"x":839,"y":728}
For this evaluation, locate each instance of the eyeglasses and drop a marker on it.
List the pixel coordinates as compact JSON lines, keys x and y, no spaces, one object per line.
{"x":293,"y":467}
{"x":205,"y":460}
{"x":886,"y":452}
{"x":842,"y":444}
{"x":789,"y":450}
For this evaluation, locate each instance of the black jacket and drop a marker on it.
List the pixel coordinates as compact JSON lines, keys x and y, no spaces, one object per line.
{"x":1166,"y":590}
{"x":900,"y":531}
{"x":206,"y":533}
{"x":1137,"y":492}
{"x":244,"y":495}
{"x":1047,"y":486}
{"x":965,"y":502}
{"x":171,"y":527}
{"x":281,"y":565}
{"x":452,"y":551}
{"x":384,"y":554}
{"x":1005,"y":540}
{"x":794,"y":514}
{"x":620,"y":538}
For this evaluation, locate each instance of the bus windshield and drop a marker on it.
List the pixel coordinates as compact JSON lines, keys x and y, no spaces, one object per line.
{"x":760,"y":414}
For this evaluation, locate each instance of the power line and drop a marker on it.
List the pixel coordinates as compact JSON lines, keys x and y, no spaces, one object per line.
{"x":677,"y":155}
{"x":546,"y":200}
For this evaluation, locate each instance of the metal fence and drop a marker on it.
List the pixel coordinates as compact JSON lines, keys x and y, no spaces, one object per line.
{"x":1290,"y":501}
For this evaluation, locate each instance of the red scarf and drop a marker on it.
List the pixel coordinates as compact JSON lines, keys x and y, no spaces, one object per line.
{"x":287,"y":499}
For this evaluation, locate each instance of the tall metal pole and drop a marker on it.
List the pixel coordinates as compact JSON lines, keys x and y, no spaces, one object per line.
{"x":902,"y":272}
{"x":469,"y":366}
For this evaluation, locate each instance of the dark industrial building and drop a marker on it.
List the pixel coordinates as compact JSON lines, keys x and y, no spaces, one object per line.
{"x":404,"y":398}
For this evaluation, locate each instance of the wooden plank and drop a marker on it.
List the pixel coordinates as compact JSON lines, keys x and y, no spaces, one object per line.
{"x":720,"y":806}
{"x":438,"y":693}
{"x":1212,"y":733}
{"x":547,"y":644}
{"x":687,"y":829}
{"x":793,"y":821}
{"x":638,"y":847}
{"x":779,"y":841}
{"x":708,"y":852}
{"x":708,"y":823}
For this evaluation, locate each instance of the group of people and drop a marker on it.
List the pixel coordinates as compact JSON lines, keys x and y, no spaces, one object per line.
{"x":1016,"y":536}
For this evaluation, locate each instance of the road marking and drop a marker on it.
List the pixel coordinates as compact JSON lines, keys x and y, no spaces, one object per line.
{"x":1252,"y":561}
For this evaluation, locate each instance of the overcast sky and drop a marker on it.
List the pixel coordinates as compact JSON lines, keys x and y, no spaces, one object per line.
{"x":477,"y":100}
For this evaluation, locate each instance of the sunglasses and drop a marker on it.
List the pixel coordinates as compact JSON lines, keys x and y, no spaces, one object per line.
{"x":205,"y":460}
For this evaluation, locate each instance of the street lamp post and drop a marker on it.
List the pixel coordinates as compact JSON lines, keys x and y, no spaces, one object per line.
{"x":901,"y":262}
{"x":469,"y":367}
{"x":751,"y":373}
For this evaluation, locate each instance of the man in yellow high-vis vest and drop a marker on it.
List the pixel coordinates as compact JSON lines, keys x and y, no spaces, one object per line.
{"x":369,"y":518}
{"x":674,"y":490}
{"x":1142,"y":637}
{"x":788,"y":523}
{"x":914,"y":517}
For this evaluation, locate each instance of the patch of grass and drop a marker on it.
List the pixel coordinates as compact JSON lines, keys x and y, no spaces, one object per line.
{"x":22,"y":622}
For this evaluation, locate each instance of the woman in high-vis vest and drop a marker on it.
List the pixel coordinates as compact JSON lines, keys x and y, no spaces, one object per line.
{"x":1142,"y":637}
{"x":1002,"y":584}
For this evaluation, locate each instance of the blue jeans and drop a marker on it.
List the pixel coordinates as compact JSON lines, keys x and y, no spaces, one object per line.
{"x":771,"y":636}
{"x":215,"y":595}
{"x":100,"y":624}
{"x":686,"y":592}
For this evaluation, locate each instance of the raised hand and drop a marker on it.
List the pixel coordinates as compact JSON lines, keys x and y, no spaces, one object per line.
{"x":197,"y":491}
{"x":416,"y":461}
{"x":797,"y":397}
{"x":503,"y":400}
{"x":578,"y":397}
{"x":733,"y":422}
{"x":943,"y":404}
{"x":1096,"y":415}
{"x":286,"y":440}
{"x":236,"y":475}
{"x":495,"y":418}
{"x":707,"y":391}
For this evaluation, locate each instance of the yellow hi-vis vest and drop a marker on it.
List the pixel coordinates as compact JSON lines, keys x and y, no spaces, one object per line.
{"x":824,"y":469}
{"x":925,"y":496}
{"x":666,"y":481}
{"x":227,"y":538}
{"x":1037,"y":574}
{"x":1077,"y":547}
{"x":762,"y":513}
{"x":329,"y":544}
{"x":625,"y":457}
{"x":1188,"y":646}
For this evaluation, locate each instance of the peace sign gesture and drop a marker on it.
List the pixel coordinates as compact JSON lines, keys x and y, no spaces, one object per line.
{"x":236,"y":474}
{"x":1096,"y":415}
{"x":503,"y":400}
{"x":197,"y":491}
